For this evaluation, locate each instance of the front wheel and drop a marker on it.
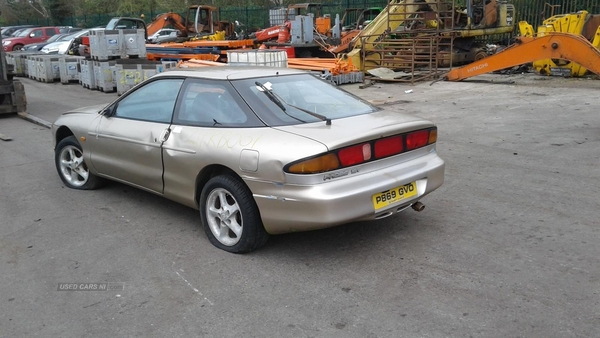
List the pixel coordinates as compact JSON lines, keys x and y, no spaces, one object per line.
{"x":71,"y":167}
{"x":230,"y":216}
{"x":17,"y":47}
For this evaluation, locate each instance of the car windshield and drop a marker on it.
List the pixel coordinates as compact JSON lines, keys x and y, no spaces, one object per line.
{"x":23,"y":32}
{"x":73,"y":35}
{"x":65,"y":37}
{"x":302,"y":98}
{"x":56,"y":37}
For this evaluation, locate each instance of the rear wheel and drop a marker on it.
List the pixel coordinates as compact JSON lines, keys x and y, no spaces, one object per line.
{"x":230,"y":216}
{"x":71,"y":167}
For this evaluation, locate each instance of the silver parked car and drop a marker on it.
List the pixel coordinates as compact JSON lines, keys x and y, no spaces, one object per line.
{"x":163,"y":32}
{"x":257,"y":150}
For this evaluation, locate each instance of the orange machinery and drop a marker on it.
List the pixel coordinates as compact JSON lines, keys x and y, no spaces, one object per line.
{"x":200,"y":20}
{"x":562,"y":46}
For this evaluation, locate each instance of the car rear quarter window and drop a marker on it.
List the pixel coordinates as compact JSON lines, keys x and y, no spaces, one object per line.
{"x":210,"y":103}
{"x":153,"y":102}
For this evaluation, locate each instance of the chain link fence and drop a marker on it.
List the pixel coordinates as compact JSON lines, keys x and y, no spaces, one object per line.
{"x":532,"y":11}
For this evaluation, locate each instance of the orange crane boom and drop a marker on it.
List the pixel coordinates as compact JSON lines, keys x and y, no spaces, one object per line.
{"x":163,"y":20}
{"x":562,"y":46}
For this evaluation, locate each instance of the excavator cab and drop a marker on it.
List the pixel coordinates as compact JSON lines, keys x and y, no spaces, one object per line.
{"x":484,"y":14}
{"x":202,"y":19}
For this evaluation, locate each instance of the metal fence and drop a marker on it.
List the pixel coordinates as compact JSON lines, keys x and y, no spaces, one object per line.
{"x":535,"y":11}
{"x":532,"y":11}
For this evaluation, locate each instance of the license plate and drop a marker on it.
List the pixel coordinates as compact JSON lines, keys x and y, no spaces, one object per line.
{"x":392,"y":196}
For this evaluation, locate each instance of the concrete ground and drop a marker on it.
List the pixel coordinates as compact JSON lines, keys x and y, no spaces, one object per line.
{"x":508,"y":247}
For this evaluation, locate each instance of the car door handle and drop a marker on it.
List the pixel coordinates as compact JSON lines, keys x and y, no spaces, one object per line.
{"x":165,"y":135}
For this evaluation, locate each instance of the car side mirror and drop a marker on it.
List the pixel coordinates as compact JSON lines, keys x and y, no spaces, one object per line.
{"x":31,"y":35}
{"x":108,"y":111}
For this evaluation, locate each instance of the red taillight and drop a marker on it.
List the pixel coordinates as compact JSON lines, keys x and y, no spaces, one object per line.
{"x":355,"y":154}
{"x":417,"y":139}
{"x":388,"y":146}
{"x":364,"y":152}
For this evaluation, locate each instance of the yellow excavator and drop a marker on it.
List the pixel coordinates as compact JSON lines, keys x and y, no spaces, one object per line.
{"x":566,"y":44}
{"x":461,"y":26}
{"x":581,"y":23}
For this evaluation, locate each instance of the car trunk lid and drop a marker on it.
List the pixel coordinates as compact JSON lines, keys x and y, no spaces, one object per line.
{"x":356,"y":129}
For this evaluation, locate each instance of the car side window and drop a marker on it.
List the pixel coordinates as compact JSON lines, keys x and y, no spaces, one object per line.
{"x":50,"y":31}
{"x":36,"y":33}
{"x":153,"y":102}
{"x":213,"y":103}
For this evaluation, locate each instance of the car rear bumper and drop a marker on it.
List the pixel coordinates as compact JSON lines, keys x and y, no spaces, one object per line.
{"x":288,"y":208}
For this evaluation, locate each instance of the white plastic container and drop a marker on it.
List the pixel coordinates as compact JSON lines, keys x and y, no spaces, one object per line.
{"x":104,"y":74}
{"x":87,"y":77}
{"x":69,"y":69}
{"x":31,"y":66}
{"x":121,"y":43}
{"x":20,"y":64}
{"x":48,"y":68}
{"x":258,"y":57}
{"x":133,"y":71}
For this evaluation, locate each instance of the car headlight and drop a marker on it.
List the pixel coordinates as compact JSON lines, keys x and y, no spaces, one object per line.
{"x":6,"y":43}
{"x":50,"y":50}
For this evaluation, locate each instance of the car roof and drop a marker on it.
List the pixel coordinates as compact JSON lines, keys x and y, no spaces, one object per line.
{"x":230,"y":72}
{"x":33,"y":28}
{"x":19,"y":26}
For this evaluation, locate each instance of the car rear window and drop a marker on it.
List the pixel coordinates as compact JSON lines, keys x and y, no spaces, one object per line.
{"x":298,"y":96}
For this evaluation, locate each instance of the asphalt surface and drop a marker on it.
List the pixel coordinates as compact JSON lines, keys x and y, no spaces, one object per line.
{"x":508,"y":247}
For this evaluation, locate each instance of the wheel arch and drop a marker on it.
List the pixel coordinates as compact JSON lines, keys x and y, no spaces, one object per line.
{"x":209,"y":172}
{"x":61,"y":133}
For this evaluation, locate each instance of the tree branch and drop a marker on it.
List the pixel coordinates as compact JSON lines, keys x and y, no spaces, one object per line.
{"x":42,"y":10}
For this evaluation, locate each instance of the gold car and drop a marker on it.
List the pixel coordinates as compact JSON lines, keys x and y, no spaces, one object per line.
{"x":257,"y":150}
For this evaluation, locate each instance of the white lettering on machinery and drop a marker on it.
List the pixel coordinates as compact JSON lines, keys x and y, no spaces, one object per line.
{"x":478,"y":67}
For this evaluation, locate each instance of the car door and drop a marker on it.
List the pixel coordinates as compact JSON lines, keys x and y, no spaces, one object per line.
{"x":211,"y":125}
{"x":36,"y":35}
{"x":128,"y":138}
{"x":48,"y":32}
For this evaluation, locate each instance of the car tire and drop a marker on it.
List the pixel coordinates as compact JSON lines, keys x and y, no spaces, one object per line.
{"x":71,"y":167}
{"x":230,"y":216}
{"x":17,"y":47}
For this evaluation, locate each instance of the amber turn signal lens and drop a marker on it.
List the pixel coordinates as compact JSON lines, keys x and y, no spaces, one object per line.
{"x":316,"y":165}
{"x":432,"y":136}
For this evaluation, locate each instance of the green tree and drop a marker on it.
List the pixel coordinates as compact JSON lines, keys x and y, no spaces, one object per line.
{"x":59,"y":10}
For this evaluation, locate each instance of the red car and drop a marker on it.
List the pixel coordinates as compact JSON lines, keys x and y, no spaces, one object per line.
{"x":27,"y":36}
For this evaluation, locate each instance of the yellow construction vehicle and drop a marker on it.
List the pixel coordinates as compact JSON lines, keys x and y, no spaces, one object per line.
{"x":581,"y":23}
{"x":452,"y":30}
{"x":555,"y":46}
